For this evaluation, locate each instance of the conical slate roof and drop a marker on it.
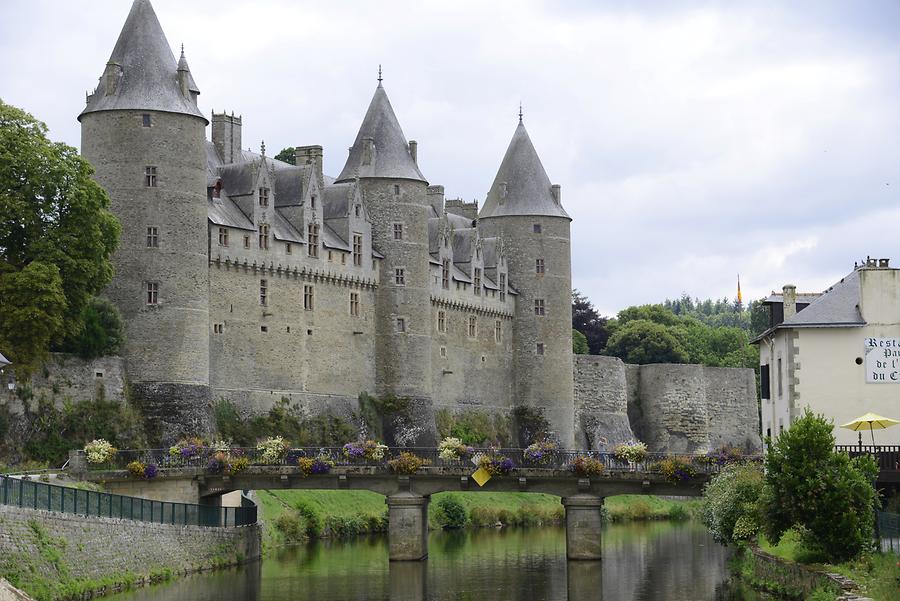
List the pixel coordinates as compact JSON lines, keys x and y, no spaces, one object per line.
{"x":391,"y":156}
{"x":149,"y":73}
{"x":527,"y":185}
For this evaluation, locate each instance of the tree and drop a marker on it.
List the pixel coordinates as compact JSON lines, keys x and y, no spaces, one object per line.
{"x":579,"y":343}
{"x":586,"y":320}
{"x":730,"y":507}
{"x":286,"y":155}
{"x":655,"y":313}
{"x":56,"y":238}
{"x":102,"y":332}
{"x":759,"y":317}
{"x":822,"y":493}
{"x":642,"y":341}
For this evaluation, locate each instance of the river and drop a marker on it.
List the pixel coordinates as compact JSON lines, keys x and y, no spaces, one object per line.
{"x":655,"y":561}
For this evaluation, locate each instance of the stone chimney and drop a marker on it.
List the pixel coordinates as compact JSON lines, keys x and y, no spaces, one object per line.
{"x":556,"y":191}
{"x":414,"y":151}
{"x":226,"y":136}
{"x":310,"y":155}
{"x":503,"y":188}
{"x":435,"y":196}
{"x":368,"y":154}
{"x":789,"y":296}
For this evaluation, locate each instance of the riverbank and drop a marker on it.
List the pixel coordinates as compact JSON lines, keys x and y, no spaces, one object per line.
{"x":294,"y":516}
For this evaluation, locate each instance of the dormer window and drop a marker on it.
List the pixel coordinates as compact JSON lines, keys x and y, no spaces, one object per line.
{"x":263,"y":197}
{"x":312,"y":202}
{"x":445,"y":274}
{"x":502,"y":287}
{"x":313,"y":242}
{"x":477,"y":283}
{"x":357,"y":249}
{"x":356,"y":210}
{"x":264,"y":236}
{"x":217,"y":190}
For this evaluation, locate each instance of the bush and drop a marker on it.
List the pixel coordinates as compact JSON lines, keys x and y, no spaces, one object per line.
{"x":290,"y":527}
{"x":450,"y":513}
{"x":102,"y":332}
{"x":730,"y":503}
{"x":284,"y":420}
{"x":824,"y":494}
{"x":314,"y":522}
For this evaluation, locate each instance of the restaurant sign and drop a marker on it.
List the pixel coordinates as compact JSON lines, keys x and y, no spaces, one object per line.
{"x":882,"y":360}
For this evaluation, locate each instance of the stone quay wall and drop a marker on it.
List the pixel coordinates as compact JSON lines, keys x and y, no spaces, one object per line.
{"x":61,"y":547}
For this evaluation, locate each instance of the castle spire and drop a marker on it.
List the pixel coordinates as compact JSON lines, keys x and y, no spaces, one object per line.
{"x":520,"y":112}
{"x":379,"y":75}
{"x":141,"y":73}
{"x":380,"y":149}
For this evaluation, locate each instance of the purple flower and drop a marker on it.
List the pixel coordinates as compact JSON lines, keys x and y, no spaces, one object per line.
{"x":320,"y":467}
{"x":150,"y":471}
{"x":215,"y":466}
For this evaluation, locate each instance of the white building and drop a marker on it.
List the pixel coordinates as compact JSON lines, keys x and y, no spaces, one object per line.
{"x":836,"y":352}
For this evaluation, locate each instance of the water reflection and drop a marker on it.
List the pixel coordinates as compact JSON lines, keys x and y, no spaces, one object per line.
{"x":642,"y":562}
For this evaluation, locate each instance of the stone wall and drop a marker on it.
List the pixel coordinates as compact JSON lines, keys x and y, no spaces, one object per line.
{"x":672,"y":408}
{"x":63,"y":548}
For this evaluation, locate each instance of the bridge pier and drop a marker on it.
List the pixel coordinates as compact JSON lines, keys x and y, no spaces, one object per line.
{"x":583,"y":525}
{"x":407,"y":526}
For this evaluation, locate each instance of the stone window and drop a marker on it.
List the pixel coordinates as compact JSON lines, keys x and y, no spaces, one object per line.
{"x":150,"y":176}
{"x":473,"y":326}
{"x":217,"y":190}
{"x":539,"y":266}
{"x":477,"y":284}
{"x":442,"y":322}
{"x":329,"y":256}
{"x":356,"y":210}
{"x":539,"y":307}
{"x":145,"y":120}
{"x":401,"y":324}
{"x":357,"y":249}
{"x":536,"y":228}
{"x":443,"y":352}
{"x":308,"y":297}
{"x":343,"y":258}
{"x":396,"y":190}
{"x":354,"y":304}
{"x":223,"y":236}
{"x":246,"y":241}
{"x":218,"y":328}
{"x":539,"y":348}
{"x":263,"y":329}
{"x":312,"y":202}
{"x":263,"y":197}
{"x":498,"y":331}
{"x":502,"y":287}
{"x":152,"y":293}
{"x":400,"y":276}
{"x":780,"y":379}
{"x":445,"y":274}
{"x":264,"y":236}
{"x":264,"y":293}
{"x":287,"y":248}
{"x":313,"y":241}
{"x":152,"y":237}
{"x":398,"y":231}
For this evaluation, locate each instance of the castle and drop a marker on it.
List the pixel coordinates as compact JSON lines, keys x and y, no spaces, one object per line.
{"x":245,"y":278}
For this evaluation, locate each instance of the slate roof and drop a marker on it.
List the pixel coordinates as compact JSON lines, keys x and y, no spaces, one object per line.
{"x":392,"y":158}
{"x":337,"y":200}
{"x":527,"y":185}
{"x":837,"y":307}
{"x":331,"y":239}
{"x":283,"y":230}
{"x":222,"y":211}
{"x":149,"y":79}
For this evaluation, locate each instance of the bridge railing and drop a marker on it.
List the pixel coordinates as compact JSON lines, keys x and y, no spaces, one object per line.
{"x":887,"y":456}
{"x":19,"y":492}
{"x":561,"y":460}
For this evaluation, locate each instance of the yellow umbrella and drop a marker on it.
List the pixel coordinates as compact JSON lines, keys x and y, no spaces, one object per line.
{"x":870,"y":422}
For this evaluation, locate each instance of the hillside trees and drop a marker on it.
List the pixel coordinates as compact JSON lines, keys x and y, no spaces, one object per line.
{"x":56,"y":238}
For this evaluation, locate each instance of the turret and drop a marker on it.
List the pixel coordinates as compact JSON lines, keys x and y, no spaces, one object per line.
{"x":523,"y":208}
{"x":395,"y":195}
{"x":144,"y":135}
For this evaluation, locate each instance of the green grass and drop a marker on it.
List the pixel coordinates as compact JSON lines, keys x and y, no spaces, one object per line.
{"x":625,"y":508}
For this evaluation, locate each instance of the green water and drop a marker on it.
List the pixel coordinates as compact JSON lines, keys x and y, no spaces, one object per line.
{"x":642,"y":562}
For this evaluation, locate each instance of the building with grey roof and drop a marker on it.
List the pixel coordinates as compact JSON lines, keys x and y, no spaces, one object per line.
{"x":836,"y":352}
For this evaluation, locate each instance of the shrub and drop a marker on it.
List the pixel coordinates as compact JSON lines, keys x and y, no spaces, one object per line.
{"x":272,"y":450}
{"x":450,"y":513}
{"x":631,"y":452}
{"x":675,"y":469}
{"x":288,"y":524}
{"x":407,"y":463}
{"x":102,"y":332}
{"x":730,"y":503}
{"x":495,"y":465}
{"x":484,"y":516}
{"x":99,"y":451}
{"x":823,"y":492}
{"x":584,"y":465}
{"x":314,"y":523}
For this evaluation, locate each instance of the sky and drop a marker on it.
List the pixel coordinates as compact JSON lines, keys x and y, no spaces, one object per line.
{"x":694,"y":141}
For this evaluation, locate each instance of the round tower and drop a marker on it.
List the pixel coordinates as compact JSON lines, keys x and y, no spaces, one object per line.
{"x":394,"y":192}
{"x":145,"y":137}
{"x":525,"y":209}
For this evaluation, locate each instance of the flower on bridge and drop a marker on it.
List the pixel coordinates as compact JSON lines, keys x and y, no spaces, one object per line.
{"x":99,"y":451}
{"x":139,"y":469}
{"x":188,"y":448}
{"x":314,"y":465}
{"x":585,"y":465}
{"x":453,"y":449}
{"x":541,"y":452}
{"x":272,"y":450}
{"x":407,"y":463}
{"x":633,"y":451}
{"x":495,"y":464}
{"x":369,"y":450}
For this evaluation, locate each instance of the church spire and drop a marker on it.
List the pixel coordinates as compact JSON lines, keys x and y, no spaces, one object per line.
{"x":141,"y":73}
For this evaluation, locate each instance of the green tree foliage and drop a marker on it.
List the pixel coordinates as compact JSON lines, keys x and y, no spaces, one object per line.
{"x":827,"y":497}
{"x":643,"y":341}
{"x":450,"y":513}
{"x":286,"y":155}
{"x":730,"y":508}
{"x":579,"y":343}
{"x":586,"y":320}
{"x":102,"y":333}
{"x":53,"y":216}
{"x":283,"y":419}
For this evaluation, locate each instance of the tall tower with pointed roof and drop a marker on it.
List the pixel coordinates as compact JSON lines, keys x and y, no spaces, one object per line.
{"x":145,"y":136}
{"x":525,"y":210}
{"x":394,"y":193}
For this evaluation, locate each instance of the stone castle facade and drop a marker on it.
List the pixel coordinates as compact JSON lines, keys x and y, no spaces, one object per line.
{"x":243,"y":277}
{"x":246,"y":278}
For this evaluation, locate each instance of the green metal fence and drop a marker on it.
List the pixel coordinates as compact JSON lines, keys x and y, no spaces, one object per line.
{"x":49,"y":497}
{"x":888,"y":531}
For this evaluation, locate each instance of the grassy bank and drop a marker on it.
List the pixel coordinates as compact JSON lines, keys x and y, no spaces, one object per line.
{"x":292,"y":516}
{"x":877,"y":574}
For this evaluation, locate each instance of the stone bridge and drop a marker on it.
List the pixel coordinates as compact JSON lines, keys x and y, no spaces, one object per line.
{"x":191,"y":480}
